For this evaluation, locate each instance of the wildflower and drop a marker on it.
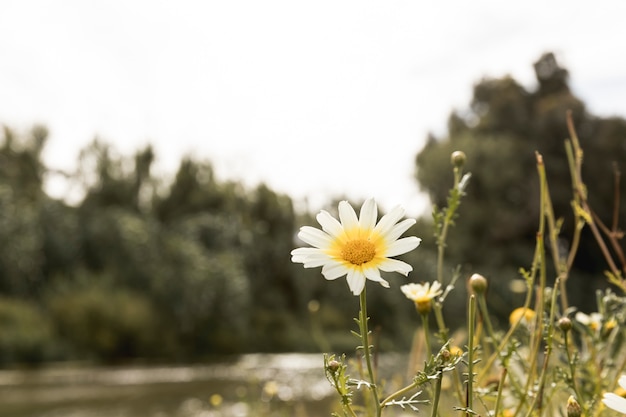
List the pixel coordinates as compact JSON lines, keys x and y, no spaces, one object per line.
{"x":614,"y":401}
{"x":526,"y":315}
{"x":422,"y":294}
{"x":456,"y":351}
{"x":593,"y":321}
{"x":358,"y":248}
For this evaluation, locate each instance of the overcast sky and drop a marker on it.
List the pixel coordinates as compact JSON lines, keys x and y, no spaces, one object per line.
{"x":316,"y":99}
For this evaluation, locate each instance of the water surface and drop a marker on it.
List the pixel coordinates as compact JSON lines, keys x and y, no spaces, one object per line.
{"x":249,"y":385}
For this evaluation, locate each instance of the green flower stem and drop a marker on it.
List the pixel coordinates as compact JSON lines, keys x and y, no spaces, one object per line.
{"x":366,"y":350}
{"x":496,"y":409}
{"x":538,"y":399}
{"x":429,"y":352}
{"x":485,"y":315}
{"x":437,"y":393}
{"x":453,"y":204}
{"x":572,"y":368}
{"x":340,"y":386}
{"x":539,"y":263}
{"x":470,"y":354}
{"x":443,"y":330}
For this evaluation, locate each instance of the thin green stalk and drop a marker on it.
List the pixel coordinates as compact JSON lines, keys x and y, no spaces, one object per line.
{"x":538,"y":400}
{"x":469,"y":402}
{"x":429,"y":352}
{"x":496,"y":410}
{"x":485,"y":315}
{"x":366,"y":350}
{"x":447,"y":221}
{"x":443,"y":330}
{"x":572,"y":368}
{"x":437,"y":393}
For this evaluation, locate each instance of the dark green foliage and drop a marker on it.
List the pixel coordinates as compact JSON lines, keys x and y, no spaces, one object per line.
{"x":27,"y":334}
{"x":143,"y":268}
{"x":101,"y":321}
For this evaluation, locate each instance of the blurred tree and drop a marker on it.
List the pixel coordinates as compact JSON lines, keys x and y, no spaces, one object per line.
{"x":22,"y":203}
{"x":505,"y":125}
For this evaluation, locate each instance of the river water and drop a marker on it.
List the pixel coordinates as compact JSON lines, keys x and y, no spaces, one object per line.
{"x":249,"y":385}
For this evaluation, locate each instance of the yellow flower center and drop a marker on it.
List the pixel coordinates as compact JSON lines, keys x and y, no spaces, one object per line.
{"x":358,"y":251}
{"x":422,"y":298}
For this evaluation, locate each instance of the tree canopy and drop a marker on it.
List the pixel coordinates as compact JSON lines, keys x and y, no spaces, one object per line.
{"x":503,"y":127}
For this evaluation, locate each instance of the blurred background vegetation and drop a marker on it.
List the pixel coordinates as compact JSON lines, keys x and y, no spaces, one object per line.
{"x":181,"y":269}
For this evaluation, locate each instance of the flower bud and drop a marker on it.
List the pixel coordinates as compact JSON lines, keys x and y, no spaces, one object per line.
{"x":478,"y":283}
{"x":333,"y":366}
{"x":565,"y":324}
{"x":457,"y":158}
{"x":573,"y":408}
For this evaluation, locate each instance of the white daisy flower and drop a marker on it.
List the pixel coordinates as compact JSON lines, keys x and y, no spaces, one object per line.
{"x":593,"y":321}
{"x":614,"y":401}
{"x":357,"y":247}
{"x":422,"y":294}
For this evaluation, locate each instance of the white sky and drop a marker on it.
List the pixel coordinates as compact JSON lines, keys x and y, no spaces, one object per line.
{"x":315,"y":98}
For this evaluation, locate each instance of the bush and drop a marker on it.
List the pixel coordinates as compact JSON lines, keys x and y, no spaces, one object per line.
{"x":108,"y":323}
{"x":26,"y":334}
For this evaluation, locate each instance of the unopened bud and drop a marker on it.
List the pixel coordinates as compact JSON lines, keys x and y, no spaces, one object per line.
{"x":333,"y":366}
{"x":565,"y":324}
{"x":573,"y":408}
{"x":457,"y":158}
{"x":478,"y":283}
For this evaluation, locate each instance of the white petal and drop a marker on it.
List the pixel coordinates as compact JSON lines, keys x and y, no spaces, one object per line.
{"x":409,"y":290}
{"x":622,"y":381}
{"x":582,"y":318}
{"x":368,"y":214}
{"x":373,"y":274}
{"x":310,"y":257}
{"x":388,"y":221}
{"x":615,"y":402}
{"x":347,"y":215}
{"x":398,"y":229}
{"x":403,"y":245}
{"x":314,"y":237}
{"x":299,"y":255}
{"x":356,"y":281}
{"x":334,"y":270}
{"x":329,"y":224}
{"x":394,"y":265}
